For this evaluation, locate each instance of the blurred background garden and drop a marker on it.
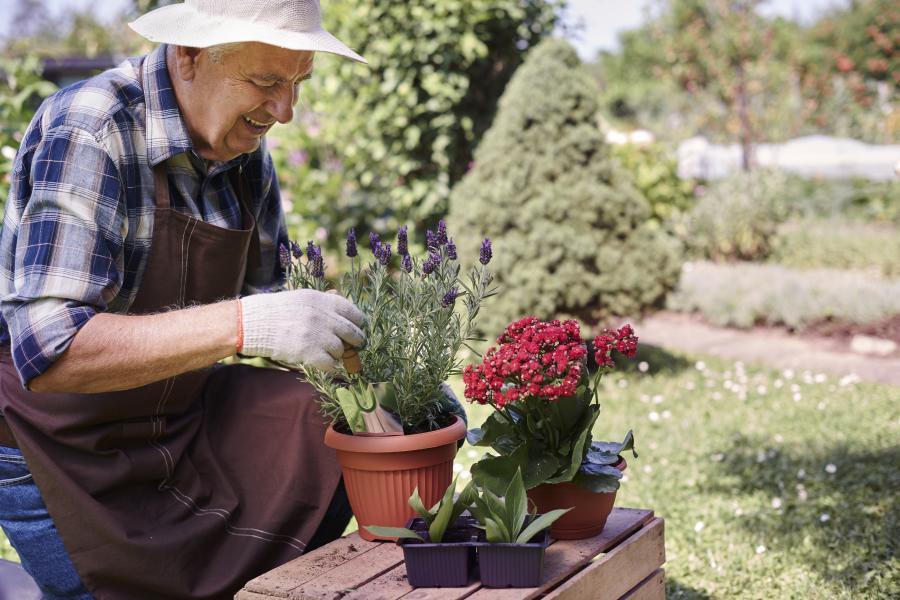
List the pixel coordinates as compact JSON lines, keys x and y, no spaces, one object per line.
{"x":725,"y":174}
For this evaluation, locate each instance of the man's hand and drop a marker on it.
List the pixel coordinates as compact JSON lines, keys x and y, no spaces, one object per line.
{"x":300,"y":326}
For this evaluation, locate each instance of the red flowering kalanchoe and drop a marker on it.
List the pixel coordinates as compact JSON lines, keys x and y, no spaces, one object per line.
{"x":546,"y":403}
{"x":542,"y":359}
{"x":622,"y":340}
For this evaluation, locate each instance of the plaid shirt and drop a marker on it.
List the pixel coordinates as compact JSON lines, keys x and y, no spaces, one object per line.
{"x":79,"y":219}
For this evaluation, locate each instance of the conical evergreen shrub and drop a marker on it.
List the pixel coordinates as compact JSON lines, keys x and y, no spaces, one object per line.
{"x":571,"y":233}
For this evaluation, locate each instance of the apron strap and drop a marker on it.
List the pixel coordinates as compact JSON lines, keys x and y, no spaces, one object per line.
{"x":242,"y":189}
{"x":161,"y":186}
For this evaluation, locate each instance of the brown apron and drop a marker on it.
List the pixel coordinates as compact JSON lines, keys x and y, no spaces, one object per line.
{"x":188,"y":487}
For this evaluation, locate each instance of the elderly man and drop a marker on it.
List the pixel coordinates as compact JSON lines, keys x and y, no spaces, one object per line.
{"x":143,"y":206}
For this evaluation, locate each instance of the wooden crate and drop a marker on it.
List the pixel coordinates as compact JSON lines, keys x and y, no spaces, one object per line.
{"x":622,"y":562}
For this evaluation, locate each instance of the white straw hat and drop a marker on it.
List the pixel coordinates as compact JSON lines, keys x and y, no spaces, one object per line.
{"x":292,"y":24}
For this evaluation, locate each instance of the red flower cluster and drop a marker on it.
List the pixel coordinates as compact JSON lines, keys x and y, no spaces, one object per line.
{"x":541,"y":359}
{"x":622,"y":340}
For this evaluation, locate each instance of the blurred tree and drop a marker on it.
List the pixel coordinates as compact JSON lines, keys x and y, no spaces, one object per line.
{"x":572,"y":234}
{"x":402,"y":130}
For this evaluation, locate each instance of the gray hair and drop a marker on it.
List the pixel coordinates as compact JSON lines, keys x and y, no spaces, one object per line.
{"x":218,"y":53}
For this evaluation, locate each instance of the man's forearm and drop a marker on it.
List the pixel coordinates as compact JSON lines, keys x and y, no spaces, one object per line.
{"x":116,"y":352}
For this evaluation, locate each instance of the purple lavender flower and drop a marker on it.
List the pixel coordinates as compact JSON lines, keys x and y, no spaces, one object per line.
{"x":383,"y":254}
{"x":284,"y":256}
{"x":449,"y":298}
{"x":451,"y":250}
{"x":430,"y":240}
{"x":318,"y":264}
{"x":407,"y":263}
{"x":296,"y":251}
{"x":402,"y":241}
{"x":351,"y":243}
{"x":374,"y":241}
{"x":441,"y":233}
{"x":431,"y":263}
{"x":310,"y":250}
{"x":486,"y":253}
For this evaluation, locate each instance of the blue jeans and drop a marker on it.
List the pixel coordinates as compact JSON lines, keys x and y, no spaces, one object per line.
{"x":30,"y":530}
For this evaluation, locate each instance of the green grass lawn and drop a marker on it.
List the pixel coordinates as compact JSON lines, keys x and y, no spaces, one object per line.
{"x":773,"y":484}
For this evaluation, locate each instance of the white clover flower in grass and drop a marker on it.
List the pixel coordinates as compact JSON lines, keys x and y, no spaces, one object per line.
{"x":717,"y":457}
{"x":717,"y":395}
{"x":788,"y":373}
{"x":778,"y":438}
{"x":795,"y":388}
{"x":802,"y":495}
{"x":700,"y":365}
{"x":658,"y":399}
{"x":761,"y":390}
{"x":648,"y":469}
{"x":776,"y":503}
{"x":666,"y":414}
{"x":777,"y":384}
{"x":643,"y":366}
{"x":798,"y":396}
{"x":8,"y":152}
{"x":760,"y":549}
{"x":801,"y":474}
{"x":472,"y":454}
{"x":653,"y":416}
{"x":698,"y":526}
{"x":457,"y":468}
{"x":738,"y":511}
{"x":690,"y":385}
{"x":824,"y":517}
{"x":821,"y":378}
{"x":831,"y":468}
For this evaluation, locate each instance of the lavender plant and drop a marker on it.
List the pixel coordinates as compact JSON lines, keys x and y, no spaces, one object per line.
{"x":418,"y":318}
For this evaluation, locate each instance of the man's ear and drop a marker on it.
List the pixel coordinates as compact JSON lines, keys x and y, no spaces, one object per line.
{"x":186,"y":59}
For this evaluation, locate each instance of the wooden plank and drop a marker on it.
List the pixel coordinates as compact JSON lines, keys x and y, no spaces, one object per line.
{"x":621,"y":569}
{"x":280,"y":581}
{"x":566,"y":557}
{"x":652,"y":588}
{"x":394,"y":584}
{"x":346,"y":578}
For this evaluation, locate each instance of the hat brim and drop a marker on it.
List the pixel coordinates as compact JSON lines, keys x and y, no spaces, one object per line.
{"x":181,"y":25}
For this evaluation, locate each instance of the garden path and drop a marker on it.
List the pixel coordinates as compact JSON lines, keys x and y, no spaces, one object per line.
{"x":769,"y":346}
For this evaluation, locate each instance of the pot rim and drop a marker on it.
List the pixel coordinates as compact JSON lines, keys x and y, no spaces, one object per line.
{"x":395,"y":443}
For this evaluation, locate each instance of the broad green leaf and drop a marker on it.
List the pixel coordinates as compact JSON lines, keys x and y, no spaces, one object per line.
{"x":350,"y":407}
{"x":516,"y":504}
{"x":416,"y":503}
{"x":540,"y":468}
{"x":495,"y":472}
{"x":442,"y":518}
{"x":584,"y":430}
{"x":398,"y":532}
{"x":465,"y":500}
{"x":539,"y":524}
{"x":616,"y":448}
{"x":598,"y":478}
{"x":492,"y":428}
{"x":495,"y":531}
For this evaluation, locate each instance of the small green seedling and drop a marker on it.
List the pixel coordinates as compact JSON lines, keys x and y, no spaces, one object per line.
{"x":438,"y":517}
{"x":504,"y":518}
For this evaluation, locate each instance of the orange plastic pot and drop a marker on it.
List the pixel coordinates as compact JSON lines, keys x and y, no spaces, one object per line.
{"x":590,"y":509}
{"x":381,"y":472}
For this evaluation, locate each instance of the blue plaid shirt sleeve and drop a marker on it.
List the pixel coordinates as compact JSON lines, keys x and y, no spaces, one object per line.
{"x":68,"y":246}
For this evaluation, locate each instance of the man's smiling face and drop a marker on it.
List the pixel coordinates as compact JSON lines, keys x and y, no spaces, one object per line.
{"x":230,"y":103}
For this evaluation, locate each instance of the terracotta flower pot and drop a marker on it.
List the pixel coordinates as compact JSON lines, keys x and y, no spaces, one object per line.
{"x":381,"y":472}
{"x":586,"y":519}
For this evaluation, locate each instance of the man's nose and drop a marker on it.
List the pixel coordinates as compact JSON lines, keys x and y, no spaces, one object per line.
{"x":281,"y":104}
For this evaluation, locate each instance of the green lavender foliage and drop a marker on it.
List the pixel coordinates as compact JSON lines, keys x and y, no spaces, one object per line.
{"x":413,"y":339}
{"x":571,"y":232}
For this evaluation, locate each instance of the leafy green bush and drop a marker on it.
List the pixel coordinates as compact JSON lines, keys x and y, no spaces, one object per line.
{"x":655,"y":174}
{"x":743,"y":295}
{"x":737,"y":217}
{"x":571,"y":232}
{"x":837,"y":244}
{"x":860,"y":199}
{"x":21,"y":90}
{"x":404,"y":127}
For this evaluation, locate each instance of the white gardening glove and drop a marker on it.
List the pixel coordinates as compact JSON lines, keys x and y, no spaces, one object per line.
{"x":300,"y":326}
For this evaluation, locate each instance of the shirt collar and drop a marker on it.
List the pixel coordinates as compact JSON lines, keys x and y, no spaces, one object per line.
{"x":166,"y":132}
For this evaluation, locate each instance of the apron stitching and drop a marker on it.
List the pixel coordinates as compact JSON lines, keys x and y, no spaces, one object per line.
{"x":181,"y":282}
{"x":185,"y":248}
{"x":166,"y":456}
{"x":232,"y":530}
